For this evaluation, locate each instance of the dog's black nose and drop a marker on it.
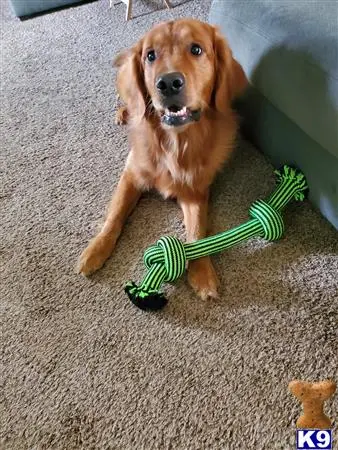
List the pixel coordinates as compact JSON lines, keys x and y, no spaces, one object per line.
{"x":169,"y":84}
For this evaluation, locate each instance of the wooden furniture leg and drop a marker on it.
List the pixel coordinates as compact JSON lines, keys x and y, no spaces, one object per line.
{"x":128,"y":13}
{"x":128,"y":3}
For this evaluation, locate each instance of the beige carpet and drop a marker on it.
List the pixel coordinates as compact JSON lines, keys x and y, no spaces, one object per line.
{"x":81,"y":367}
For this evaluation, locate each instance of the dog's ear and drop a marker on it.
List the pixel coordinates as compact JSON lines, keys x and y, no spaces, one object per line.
{"x":130,"y":80}
{"x":230,"y":79}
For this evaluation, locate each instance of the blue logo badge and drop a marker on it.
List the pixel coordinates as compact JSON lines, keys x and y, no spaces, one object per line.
{"x":314,"y":439}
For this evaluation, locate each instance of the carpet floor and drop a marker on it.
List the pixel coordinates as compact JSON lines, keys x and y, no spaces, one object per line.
{"x":81,"y":367}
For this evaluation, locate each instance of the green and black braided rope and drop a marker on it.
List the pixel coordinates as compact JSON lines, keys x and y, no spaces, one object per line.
{"x":166,"y":261}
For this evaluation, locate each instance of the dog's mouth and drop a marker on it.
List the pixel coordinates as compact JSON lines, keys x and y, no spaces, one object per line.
{"x":175,"y":116}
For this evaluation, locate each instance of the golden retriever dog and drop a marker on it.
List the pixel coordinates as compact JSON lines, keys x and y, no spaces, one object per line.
{"x":177,"y":84}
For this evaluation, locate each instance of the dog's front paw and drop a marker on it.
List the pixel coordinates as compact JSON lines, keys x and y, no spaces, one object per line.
{"x":95,"y":255}
{"x":203,"y":278}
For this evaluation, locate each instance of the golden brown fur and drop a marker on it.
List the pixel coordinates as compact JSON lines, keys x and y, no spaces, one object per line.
{"x":180,"y":162}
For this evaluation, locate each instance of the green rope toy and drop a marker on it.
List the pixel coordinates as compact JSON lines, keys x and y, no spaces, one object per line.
{"x":166,"y":261}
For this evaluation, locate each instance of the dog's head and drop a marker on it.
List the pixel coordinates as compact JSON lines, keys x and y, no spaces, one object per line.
{"x":179,"y":69}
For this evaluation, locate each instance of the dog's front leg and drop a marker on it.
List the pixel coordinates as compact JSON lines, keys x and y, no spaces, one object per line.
{"x":100,"y":248}
{"x":201,"y":273}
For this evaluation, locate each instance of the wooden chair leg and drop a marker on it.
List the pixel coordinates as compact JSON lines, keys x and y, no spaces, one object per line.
{"x":129,"y":10}
{"x":129,"y":7}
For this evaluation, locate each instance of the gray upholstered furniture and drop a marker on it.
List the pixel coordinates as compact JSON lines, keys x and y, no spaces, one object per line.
{"x":24,"y":8}
{"x":289,"y":50}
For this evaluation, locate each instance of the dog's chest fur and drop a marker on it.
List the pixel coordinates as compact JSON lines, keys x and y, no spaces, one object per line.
{"x":181,"y":164}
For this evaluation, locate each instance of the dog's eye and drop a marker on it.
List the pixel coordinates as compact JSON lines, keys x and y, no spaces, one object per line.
{"x":196,"y":50}
{"x":151,"y":55}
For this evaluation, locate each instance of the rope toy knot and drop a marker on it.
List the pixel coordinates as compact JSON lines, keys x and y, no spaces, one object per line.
{"x":168,"y":251}
{"x":269,"y":218}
